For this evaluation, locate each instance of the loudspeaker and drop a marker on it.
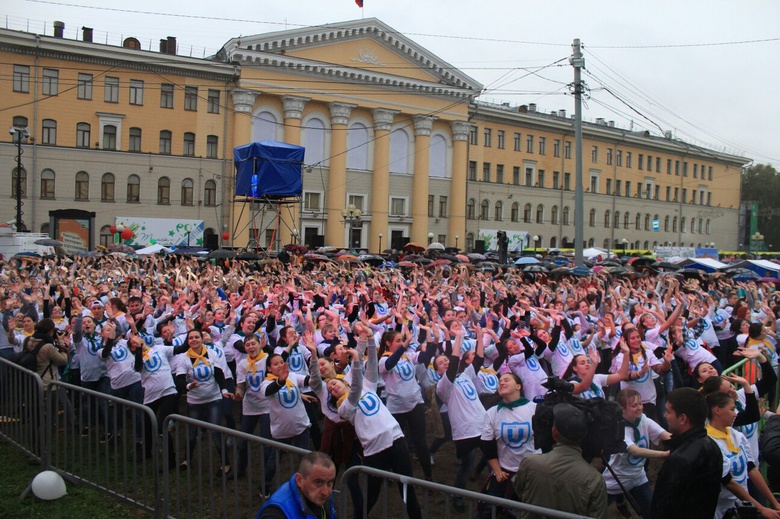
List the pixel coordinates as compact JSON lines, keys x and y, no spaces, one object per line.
{"x":212,"y":241}
{"x":479,"y":246}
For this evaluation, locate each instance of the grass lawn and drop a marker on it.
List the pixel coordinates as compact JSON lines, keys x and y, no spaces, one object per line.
{"x":81,"y":502}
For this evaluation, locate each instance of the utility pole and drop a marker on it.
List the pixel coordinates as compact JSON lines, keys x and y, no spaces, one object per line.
{"x":577,"y":61}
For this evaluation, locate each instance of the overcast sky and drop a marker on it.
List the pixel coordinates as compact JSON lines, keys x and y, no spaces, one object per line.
{"x":706,"y":70}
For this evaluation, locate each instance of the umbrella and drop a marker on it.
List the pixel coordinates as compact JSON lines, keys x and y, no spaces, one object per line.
{"x":435,"y":246}
{"x":222,"y":254}
{"x":351,"y":258}
{"x":736,"y":271}
{"x":611,"y":263}
{"x":768,"y":279}
{"x":413,"y":257}
{"x":526,"y":260}
{"x":438,"y":263}
{"x":406,"y":264}
{"x":326,"y":248}
{"x":475,"y":256}
{"x":450,"y":257}
{"x":535,"y":268}
{"x":86,"y":254}
{"x":371,"y":259}
{"x":248,"y":256}
{"x":462,"y":257}
{"x":745,"y":277}
{"x":641,"y":260}
{"x":121,"y":247}
{"x":414,"y":247}
{"x":618,"y":271}
{"x":311,"y":256}
{"x":580,"y":271}
{"x":48,"y":242}
{"x":690,"y":273}
{"x":665,"y":265}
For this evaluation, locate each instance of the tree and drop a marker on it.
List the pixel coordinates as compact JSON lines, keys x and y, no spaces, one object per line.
{"x":761,"y":183}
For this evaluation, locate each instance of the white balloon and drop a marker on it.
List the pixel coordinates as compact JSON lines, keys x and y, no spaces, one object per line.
{"x":48,"y":485}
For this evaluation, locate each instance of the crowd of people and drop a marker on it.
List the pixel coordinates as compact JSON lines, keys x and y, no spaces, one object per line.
{"x":368,"y":365}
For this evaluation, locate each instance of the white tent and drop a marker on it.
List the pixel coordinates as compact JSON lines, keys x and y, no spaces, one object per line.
{"x":152,"y":249}
{"x":706,"y":264}
{"x":593,"y":252}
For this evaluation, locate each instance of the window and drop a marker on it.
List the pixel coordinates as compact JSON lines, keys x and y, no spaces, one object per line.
{"x":191,"y":98}
{"x":82,"y":135}
{"x":594,"y":154}
{"x":473,"y":135}
{"x":486,"y":172}
{"x":684,"y":195}
{"x":554,"y":215}
{"x":186,"y":191}
{"x":501,"y":139}
{"x":619,"y":158}
{"x":542,"y":146}
{"x":312,"y":201}
{"x":709,"y":198}
{"x":106,"y":236}
{"x":500,"y":173}
{"x":515,"y":212}
{"x":566,"y":215}
{"x":557,"y":148}
{"x":189,"y":144}
{"x":213,"y":101}
{"x":628,"y":159}
{"x":647,"y":222}
{"x":136,"y":92}
{"x":540,"y":213}
{"x":210,"y":194}
{"x":657,"y":195}
{"x":84,"y":88}
{"x":484,"y":210}
{"x":49,"y":132}
{"x":498,"y":212}
{"x":488,"y":137}
{"x":609,"y":156}
{"x":594,"y":183}
{"x":212,"y":146}
{"x":616,"y":220}
{"x":567,"y":181}
{"x":683,"y":223}
{"x":609,"y":186}
{"x":677,"y":168}
{"x":529,"y":144}
{"x":164,"y":191}
{"x":666,"y":223}
{"x":668,"y":166}
{"x":658,"y":164}
{"x":47,"y":184}
{"x":516,"y":175}
{"x":111,"y":92}
{"x":109,"y":137}
{"x":695,"y":171}
{"x":107,"y":188}
{"x":707,"y":226}
{"x":685,"y":169}
{"x":676,"y":194}
{"x":82,"y":186}
{"x":529,"y":177}
{"x":22,"y":79}
{"x":518,"y":142}
{"x":556,"y":179}
{"x":135,"y":139}
{"x":540,"y":178}
{"x":674,"y":224}
{"x":626,"y":221}
{"x":430,"y":205}
{"x":592,"y":218}
{"x":527,"y":213}
{"x":607,"y":219}
{"x":709,"y":174}
{"x":628,"y":188}
{"x":398,"y":206}
{"x":641,"y":162}
{"x":668,"y":193}
{"x":166,"y":95}
{"x":471,"y":211}
{"x":618,"y":187}
{"x":51,"y":82}
{"x":472,"y":170}
{"x":442,"y":207}
{"x":165,"y":142}
{"x":133,"y":189}
{"x":567,"y":150}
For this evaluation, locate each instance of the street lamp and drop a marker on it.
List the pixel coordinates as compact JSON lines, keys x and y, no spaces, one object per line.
{"x":380,"y":242}
{"x":756,"y":242}
{"x":20,"y":134}
{"x":625,"y":245}
{"x":536,"y":239}
{"x":456,"y":241}
{"x":352,"y":216}
{"x":294,"y":234}
{"x":430,"y":238}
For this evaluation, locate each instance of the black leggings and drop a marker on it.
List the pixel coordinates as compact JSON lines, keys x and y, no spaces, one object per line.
{"x":162,"y":408}
{"x":394,"y":459}
{"x":415,"y":419}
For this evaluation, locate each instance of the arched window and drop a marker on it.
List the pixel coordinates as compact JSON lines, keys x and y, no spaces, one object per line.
{"x":607,"y":219}
{"x":540,"y":213}
{"x":683,"y":221}
{"x":471,"y":209}
{"x":566,"y":215}
{"x":106,"y":237}
{"x":484,"y":212}
{"x":107,"y":185}
{"x":616,"y":225}
{"x":45,"y":228}
{"x":49,"y":132}
{"x":553,"y":242}
{"x":498,"y":211}
{"x":189,"y":144}
{"x":527,"y":213}
{"x":693,"y":225}
{"x":399,"y":151}
{"x":627,"y":220}
{"x":666,"y":223}
{"x":592,"y":219}
{"x":133,"y":189}
{"x":357,"y":146}
{"x":515,"y":212}
{"x":554,"y":215}
{"x":647,"y":222}
{"x":166,"y":138}
{"x":47,"y":184}
{"x":707,"y":223}
{"x":210,"y":194}
{"x":606,"y":244}
{"x":109,"y":137}
{"x":82,"y":135}
{"x":264,"y":126}
{"x":674,"y":224}
{"x":638,"y":222}
{"x":164,"y":191}
{"x":470,"y":242}
{"x":186,"y":191}
{"x":314,"y":133}
{"x":591,"y":242}
{"x":647,"y":245}
{"x":82,"y":186}
{"x":22,"y":179}
{"x":437,"y":156}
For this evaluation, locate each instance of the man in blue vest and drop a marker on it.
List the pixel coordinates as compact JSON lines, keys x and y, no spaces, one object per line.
{"x":308,"y":494}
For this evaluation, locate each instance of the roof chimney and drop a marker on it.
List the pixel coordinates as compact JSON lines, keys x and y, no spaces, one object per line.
{"x":554,"y":113}
{"x":561,"y":113}
{"x":532,"y":107}
{"x":601,"y":121}
{"x":171,"y":45}
{"x":163,"y":46}
{"x":86,"y":34}
{"x":59,"y":29}
{"x":611,"y":124}
{"x":523,"y":109}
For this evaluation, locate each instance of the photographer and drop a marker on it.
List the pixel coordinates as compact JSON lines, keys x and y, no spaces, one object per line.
{"x":561,"y":479}
{"x":53,"y":352}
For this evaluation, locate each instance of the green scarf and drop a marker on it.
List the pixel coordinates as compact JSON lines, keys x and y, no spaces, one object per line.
{"x":635,"y":427}
{"x":511,"y":405}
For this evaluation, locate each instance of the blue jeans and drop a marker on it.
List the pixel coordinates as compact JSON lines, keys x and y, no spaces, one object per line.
{"x":643,"y":495}
{"x":301,"y":441}
{"x":248,"y":425}
{"x":209,"y":412}
{"x":90,"y":404}
{"x":135,"y":393}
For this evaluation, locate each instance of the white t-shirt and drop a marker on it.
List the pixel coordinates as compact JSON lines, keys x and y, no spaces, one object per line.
{"x":738,"y":467}
{"x":630,"y":469}
{"x":530,"y":372}
{"x":255,"y":402}
{"x":403,"y":391}
{"x":750,"y":430}
{"x":693,"y":352}
{"x":467,"y":415}
{"x":595,"y":390}
{"x":88,"y":350}
{"x":644,"y":384}
{"x":208,"y":389}
{"x":513,"y":431}
{"x":120,"y":364}
{"x":156,"y":373}
{"x":288,"y":414}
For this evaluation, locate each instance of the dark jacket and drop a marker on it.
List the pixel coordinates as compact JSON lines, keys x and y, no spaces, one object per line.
{"x":689,"y":482}
{"x":287,"y":502}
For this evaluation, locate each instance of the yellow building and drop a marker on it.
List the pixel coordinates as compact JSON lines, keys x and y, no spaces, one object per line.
{"x":388,"y":127}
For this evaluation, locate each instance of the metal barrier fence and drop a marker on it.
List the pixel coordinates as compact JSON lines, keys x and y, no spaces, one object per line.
{"x":257,"y":468}
{"x":101,"y":443}
{"x":22,"y":410}
{"x":430,"y":496}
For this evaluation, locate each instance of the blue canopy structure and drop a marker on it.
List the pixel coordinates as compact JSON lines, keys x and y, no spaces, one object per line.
{"x":269,"y":169}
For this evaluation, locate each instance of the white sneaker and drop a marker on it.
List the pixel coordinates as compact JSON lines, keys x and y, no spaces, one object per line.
{"x":432,"y":461}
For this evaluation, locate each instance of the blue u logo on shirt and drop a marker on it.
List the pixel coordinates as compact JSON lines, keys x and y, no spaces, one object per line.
{"x":288,"y":397}
{"x":739,"y":467}
{"x":202,"y":372}
{"x":254,"y":382}
{"x":405,"y":370}
{"x":515,"y":434}
{"x":469,"y":391}
{"x":532,"y":364}
{"x":636,"y":460}
{"x":295,"y":362}
{"x":153,"y":364}
{"x":369,"y":404}
{"x":119,"y":354}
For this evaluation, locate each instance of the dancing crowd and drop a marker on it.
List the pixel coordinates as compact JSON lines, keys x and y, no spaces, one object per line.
{"x":368,"y":365}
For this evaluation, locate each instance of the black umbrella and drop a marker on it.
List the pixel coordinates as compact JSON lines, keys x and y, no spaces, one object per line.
{"x":48,"y":242}
{"x":371,"y":259}
{"x":222,"y":254}
{"x":580,"y":271}
{"x":535,"y":268}
{"x":247,"y":256}
{"x":690,"y":273}
{"x":665,"y":265}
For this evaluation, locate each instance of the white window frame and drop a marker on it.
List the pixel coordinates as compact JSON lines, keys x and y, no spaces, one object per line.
{"x":406,"y":205}
{"x":310,"y":210}
{"x":597,"y":175}
{"x":112,"y":120}
{"x":364,"y":206}
{"x":529,"y":164}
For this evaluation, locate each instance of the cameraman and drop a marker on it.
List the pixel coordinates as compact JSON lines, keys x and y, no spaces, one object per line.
{"x":561,"y":479}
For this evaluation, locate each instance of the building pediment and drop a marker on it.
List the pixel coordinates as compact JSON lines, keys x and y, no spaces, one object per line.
{"x":362,"y":50}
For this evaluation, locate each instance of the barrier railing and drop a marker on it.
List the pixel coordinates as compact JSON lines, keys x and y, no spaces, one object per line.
{"x":257,"y":468}
{"x":102,"y":444}
{"x":392,"y":504}
{"x":22,"y":406}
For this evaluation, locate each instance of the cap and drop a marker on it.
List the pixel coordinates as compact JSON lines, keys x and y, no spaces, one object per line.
{"x":96,"y":303}
{"x":570,"y":422}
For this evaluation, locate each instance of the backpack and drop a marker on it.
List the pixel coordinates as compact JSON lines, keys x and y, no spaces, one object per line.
{"x":28,"y":359}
